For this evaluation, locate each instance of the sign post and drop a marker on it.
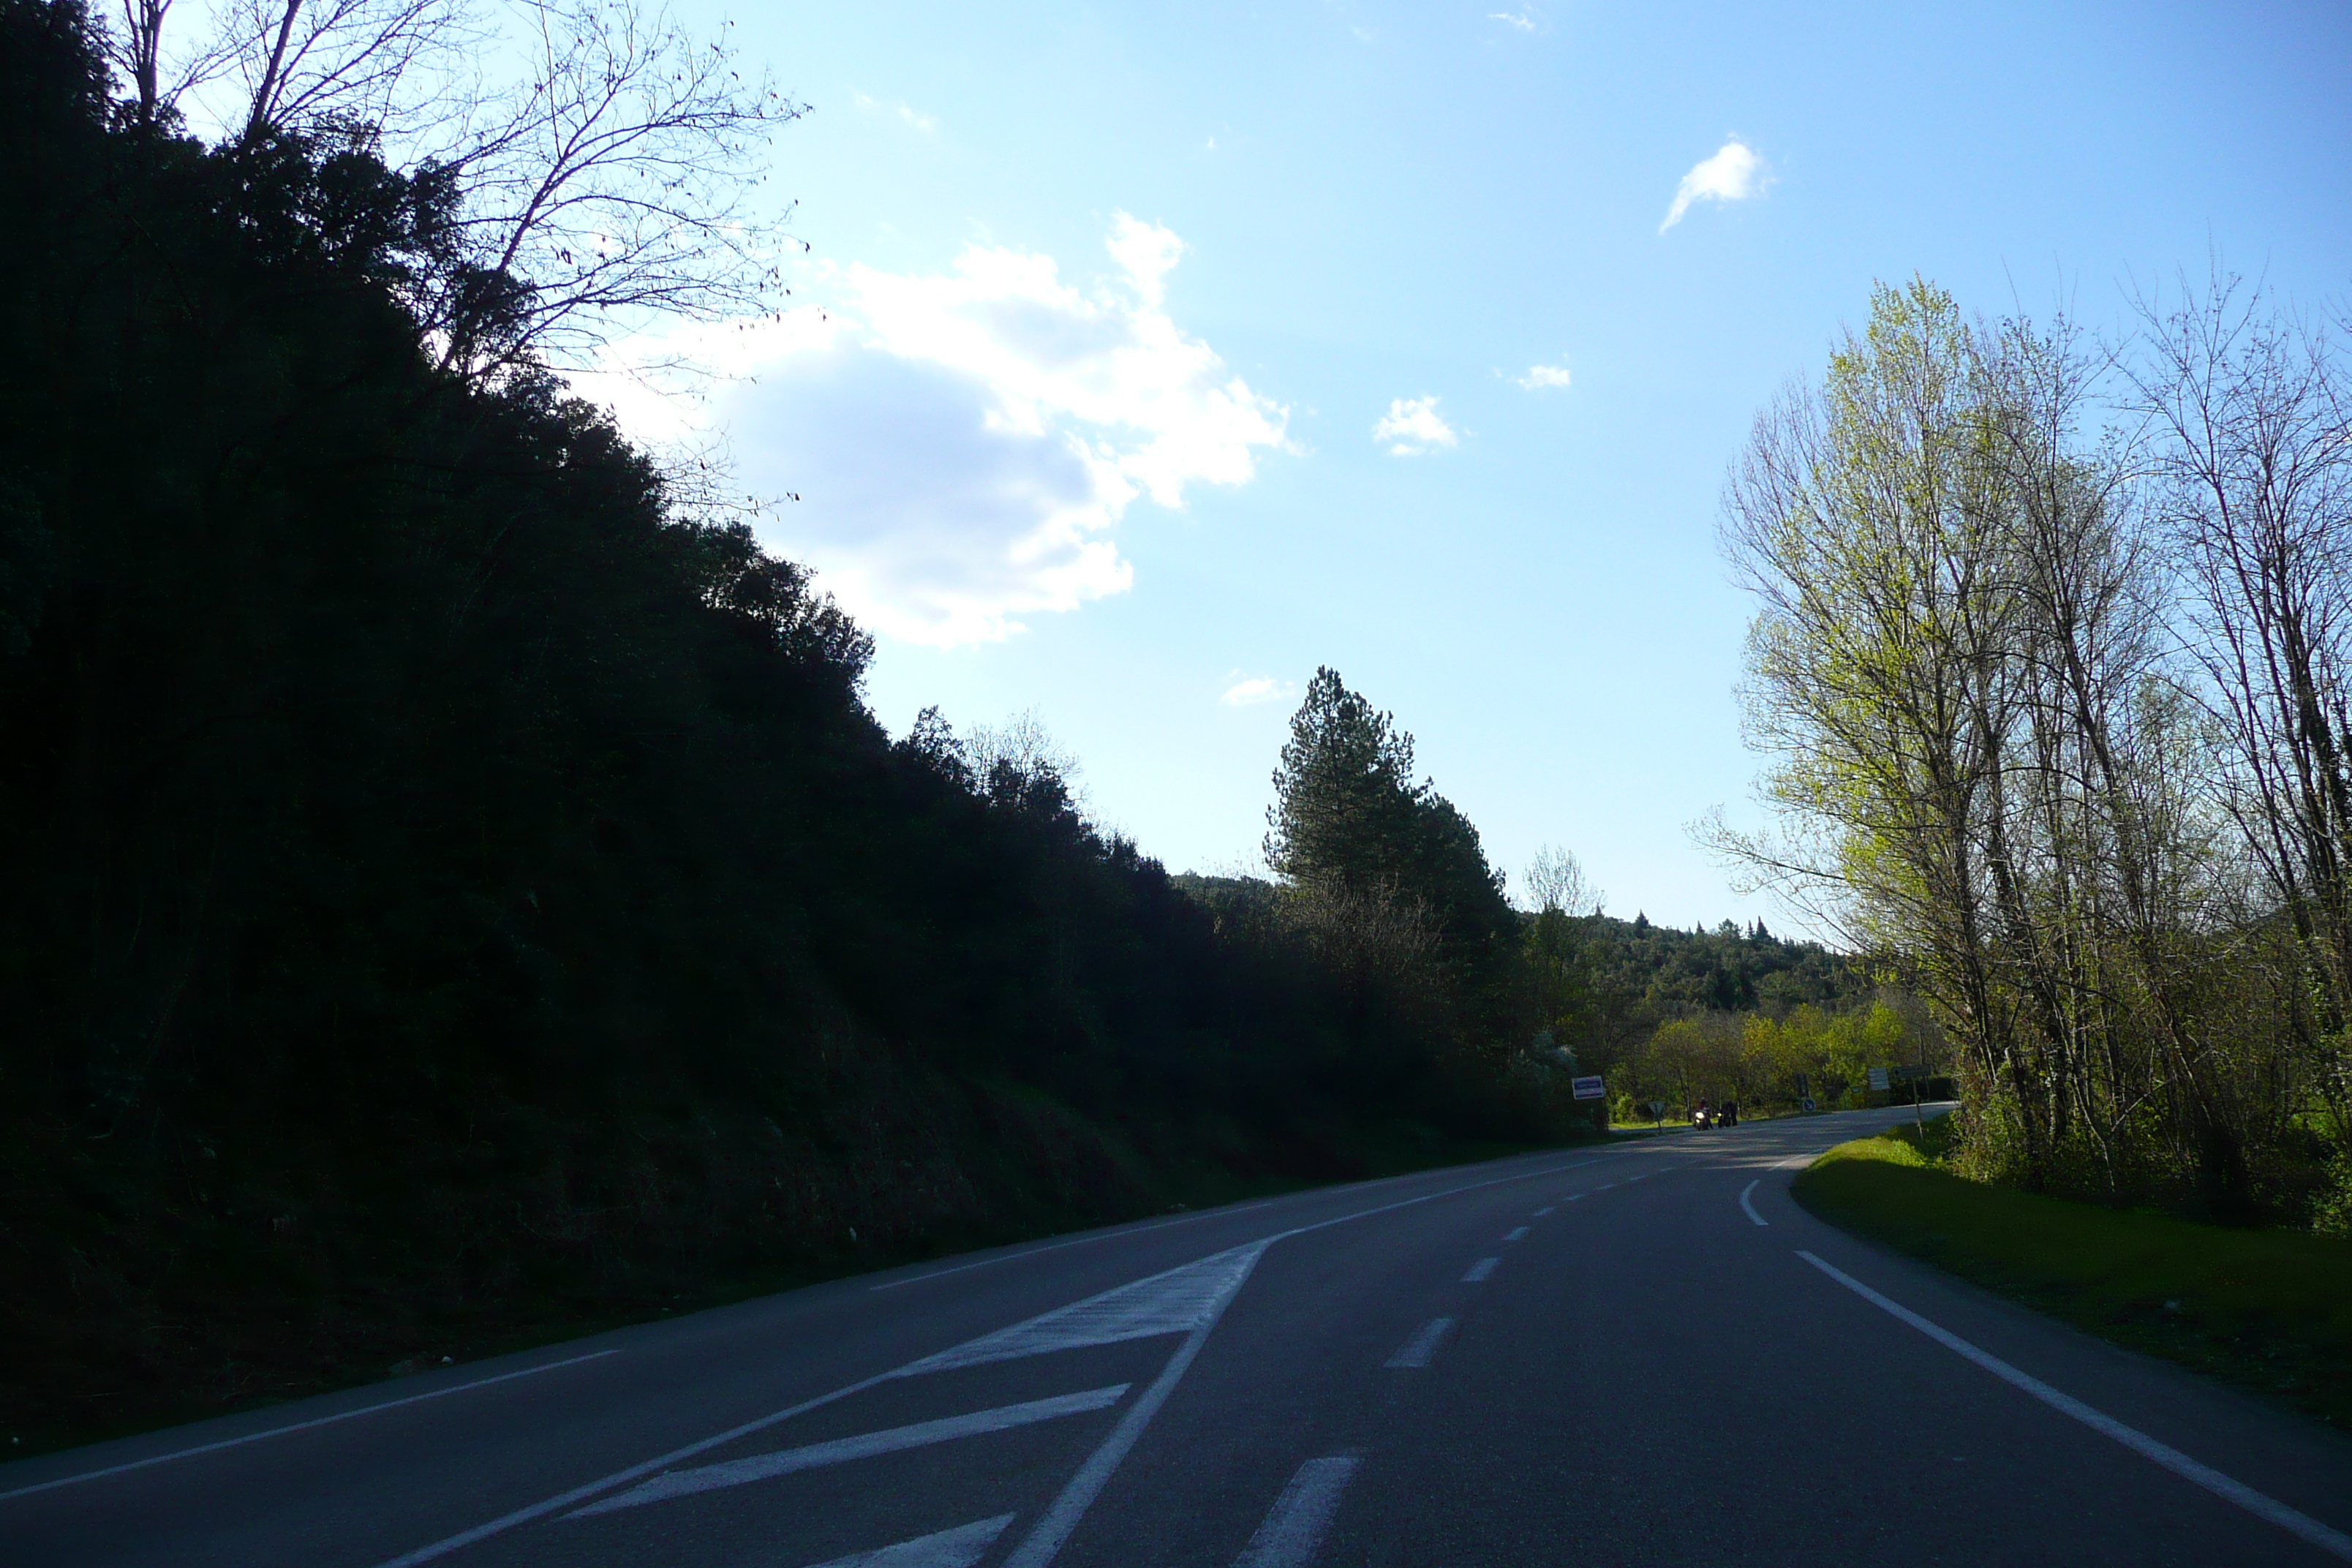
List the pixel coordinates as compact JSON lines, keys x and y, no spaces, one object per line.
{"x":1590,"y":1088}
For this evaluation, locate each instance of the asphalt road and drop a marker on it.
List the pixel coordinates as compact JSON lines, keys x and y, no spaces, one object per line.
{"x":1646,"y":1354}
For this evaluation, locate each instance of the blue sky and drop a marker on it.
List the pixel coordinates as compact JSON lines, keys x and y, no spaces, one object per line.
{"x":1109,"y":390}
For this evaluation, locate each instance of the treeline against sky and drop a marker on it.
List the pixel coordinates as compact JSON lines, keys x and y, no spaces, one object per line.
{"x":2054,"y":652}
{"x":451,"y":886}
{"x":443,"y":878}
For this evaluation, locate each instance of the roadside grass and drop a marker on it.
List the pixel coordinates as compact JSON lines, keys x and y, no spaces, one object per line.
{"x":2269,"y":1310}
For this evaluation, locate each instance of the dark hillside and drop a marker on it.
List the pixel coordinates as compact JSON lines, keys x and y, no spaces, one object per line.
{"x":448,"y":893}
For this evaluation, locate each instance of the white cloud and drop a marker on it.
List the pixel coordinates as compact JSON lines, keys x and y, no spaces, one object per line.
{"x":1734,"y":173}
{"x":1541,"y":377}
{"x":1522,"y":19}
{"x":962,"y":444}
{"x":906,"y":113}
{"x":1413,"y":425}
{"x":1256,"y":689}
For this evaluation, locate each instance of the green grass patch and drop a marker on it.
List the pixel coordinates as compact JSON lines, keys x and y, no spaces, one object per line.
{"x":2270,"y":1310}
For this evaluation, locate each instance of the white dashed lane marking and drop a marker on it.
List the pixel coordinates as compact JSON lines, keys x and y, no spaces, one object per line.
{"x":1480,"y":1269}
{"x":1295,"y":1526}
{"x":1421,"y":1348}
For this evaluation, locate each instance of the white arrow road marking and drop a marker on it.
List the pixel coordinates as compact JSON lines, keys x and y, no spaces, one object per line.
{"x":1169,"y":1303}
{"x":1039,"y":1546}
{"x":1421,"y":1348}
{"x":1295,"y":1526}
{"x":1480,"y":1269}
{"x":959,"y":1548}
{"x":2327,"y":1539}
{"x":892,"y":1440}
{"x":1081,"y":1490}
{"x":1749,"y":1207}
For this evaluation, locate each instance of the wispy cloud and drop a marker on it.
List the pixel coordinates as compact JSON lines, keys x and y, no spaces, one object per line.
{"x":1254,"y":689}
{"x":1735,"y":173}
{"x":1413,"y":425}
{"x":1541,"y":377}
{"x":964,"y":445}
{"x":906,"y":113}
{"x":1524,"y":18}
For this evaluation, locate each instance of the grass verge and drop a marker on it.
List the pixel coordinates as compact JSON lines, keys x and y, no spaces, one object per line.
{"x":2268,"y":1310}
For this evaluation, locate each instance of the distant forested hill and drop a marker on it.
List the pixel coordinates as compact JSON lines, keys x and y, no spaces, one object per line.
{"x":1644,"y":973}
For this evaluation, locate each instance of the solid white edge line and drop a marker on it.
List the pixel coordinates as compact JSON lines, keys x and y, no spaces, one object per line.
{"x":2295,"y":1522}
{"x":1294,"y":1526}
{"x":300,"y":1426}
{"x":1749,"y":1207}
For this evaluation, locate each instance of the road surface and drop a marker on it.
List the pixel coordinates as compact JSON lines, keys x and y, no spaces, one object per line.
{"x":1642,"y":1354}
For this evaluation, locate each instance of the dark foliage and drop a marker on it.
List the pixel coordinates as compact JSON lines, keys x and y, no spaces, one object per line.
{"x":446,"y":893}
{"x":1667,"y":973}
